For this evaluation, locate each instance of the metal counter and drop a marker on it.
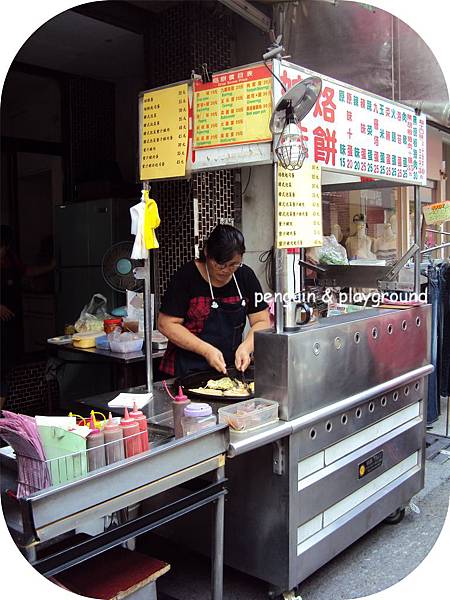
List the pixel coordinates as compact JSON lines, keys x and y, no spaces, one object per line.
{"x":348,"y":452}
{"x":50,"y":515}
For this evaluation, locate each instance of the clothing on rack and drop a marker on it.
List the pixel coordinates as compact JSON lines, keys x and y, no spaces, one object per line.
{"x":439,"y":296}
{"x":444,"y":379}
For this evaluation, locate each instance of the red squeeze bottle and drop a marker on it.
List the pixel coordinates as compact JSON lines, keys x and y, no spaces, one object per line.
{"x":131,"y":441}
{"x":139,"y":416}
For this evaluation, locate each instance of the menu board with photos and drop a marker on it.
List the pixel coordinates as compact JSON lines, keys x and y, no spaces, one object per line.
{"x":235,"y":108}
{"x":352,"y":131}
{"x":299,"y":207}
{"x":164,"y":132}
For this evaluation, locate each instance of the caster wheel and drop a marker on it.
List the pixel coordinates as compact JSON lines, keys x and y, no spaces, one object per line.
{"x":292,"y":595}
{"x":395,"y":517}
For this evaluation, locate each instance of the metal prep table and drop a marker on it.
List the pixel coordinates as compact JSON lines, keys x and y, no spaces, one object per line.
{"x":41,"y":519}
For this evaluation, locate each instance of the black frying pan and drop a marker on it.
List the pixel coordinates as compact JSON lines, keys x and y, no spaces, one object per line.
{"x":200,"y":379}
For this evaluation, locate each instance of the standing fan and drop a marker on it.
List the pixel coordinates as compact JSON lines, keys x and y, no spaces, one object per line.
{"x":117,"y":268}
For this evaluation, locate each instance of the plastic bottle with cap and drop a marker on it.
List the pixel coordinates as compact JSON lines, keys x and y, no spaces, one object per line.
{"x":114,"y":448}
{"x":95,"y":447}
{"x":131,"y":437}
{"x":178,"y":405}
{"x":139,"y":416}
{"x":197,"y":416}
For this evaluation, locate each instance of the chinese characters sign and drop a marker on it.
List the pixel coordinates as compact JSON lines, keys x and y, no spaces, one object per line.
{"x":235,"y":108}
{"x":352,"y":131}
{"x":164,"y":134}
{"x":299,"y":207}
{"x":437,"y":213}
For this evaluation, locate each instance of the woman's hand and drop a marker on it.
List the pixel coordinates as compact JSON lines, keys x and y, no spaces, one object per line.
{"x":242,"y":358}
{"x":5,"y":313}
{"x":215,"y":359}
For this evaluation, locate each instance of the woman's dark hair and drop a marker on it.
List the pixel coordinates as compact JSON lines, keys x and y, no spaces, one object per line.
{"x":223,"y":243}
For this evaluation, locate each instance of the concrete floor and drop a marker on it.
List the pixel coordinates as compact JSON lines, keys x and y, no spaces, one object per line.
{"x":361,"y":570}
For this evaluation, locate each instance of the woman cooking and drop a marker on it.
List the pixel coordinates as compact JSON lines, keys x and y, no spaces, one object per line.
{"x":204,"y":310}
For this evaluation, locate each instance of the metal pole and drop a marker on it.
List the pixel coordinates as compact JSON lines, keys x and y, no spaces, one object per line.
{"x":217,"y":542}
{"x":148,"y":317}
{"x":417,"y":238}
{"x":278,"y":255}
{"x":148,"y":320}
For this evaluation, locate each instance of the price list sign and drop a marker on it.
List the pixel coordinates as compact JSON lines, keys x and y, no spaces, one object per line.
{"x":352,"y":131}
{"x":235,"y":108}
{"x":299,"y":207}
{"x":164,"y":134}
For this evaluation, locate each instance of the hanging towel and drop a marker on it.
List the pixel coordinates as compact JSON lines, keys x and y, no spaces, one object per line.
{"x":137,"y":229}
{"x":151,"y":222}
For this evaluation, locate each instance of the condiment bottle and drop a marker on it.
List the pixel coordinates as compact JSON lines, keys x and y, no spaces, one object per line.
{"x":139,"y":416}
{"x":95,"y":447}
{"x":197,"y":416}
{"x":114,"y":441}
{"x":178,"y":405}
{"x":131,"y":440}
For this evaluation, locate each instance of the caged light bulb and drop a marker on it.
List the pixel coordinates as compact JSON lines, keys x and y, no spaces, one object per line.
{"x":291,"y":150}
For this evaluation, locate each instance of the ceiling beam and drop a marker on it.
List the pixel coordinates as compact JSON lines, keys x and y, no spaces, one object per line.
{"x":250,"y":13}
{"x":119,"y":14}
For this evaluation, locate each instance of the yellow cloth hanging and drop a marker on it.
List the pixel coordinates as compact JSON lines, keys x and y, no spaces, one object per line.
{"x":151,"y":222}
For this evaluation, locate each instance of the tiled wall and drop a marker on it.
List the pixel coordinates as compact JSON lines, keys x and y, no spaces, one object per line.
{"x":182,"y":39}
{"x":28,"y":391}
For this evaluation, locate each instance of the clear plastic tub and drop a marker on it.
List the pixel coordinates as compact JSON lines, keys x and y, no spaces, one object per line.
{"x":128,"y":345}
{"x":249,"y":415}
{"x":197,"y":416}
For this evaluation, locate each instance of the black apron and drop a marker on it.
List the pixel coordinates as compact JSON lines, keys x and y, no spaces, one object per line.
{"x":222,"y":329}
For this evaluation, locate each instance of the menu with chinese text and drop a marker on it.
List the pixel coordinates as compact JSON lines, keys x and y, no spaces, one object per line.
{"x":352,"y":131}
{"x":164,"y":133}
{"x":235,"y":108}
{"x":299,"y":207}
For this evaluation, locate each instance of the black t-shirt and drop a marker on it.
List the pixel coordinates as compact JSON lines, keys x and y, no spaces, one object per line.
{"x":187,"y":284}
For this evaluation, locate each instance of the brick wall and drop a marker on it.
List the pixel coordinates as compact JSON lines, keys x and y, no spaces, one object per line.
{"x":181,"y":40}
{"x":28,"y":391}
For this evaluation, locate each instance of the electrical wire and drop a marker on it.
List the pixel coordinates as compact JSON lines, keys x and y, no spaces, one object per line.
{"x":266,"y":258}
{"x":279,"y":80}
{"x":248,"y":181}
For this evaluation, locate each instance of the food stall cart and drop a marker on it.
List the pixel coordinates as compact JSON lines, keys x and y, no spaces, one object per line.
{"x":348,"y":450}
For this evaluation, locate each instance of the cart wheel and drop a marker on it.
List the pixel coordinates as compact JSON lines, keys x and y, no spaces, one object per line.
{"x":395,"y":517}
{"x":292,"y":595}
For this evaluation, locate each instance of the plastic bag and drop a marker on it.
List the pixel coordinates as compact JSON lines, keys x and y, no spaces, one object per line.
{"x":330,"y":253}
{"x":92,"y":316}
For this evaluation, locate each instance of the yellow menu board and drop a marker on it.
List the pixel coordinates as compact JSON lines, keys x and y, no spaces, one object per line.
{"x":299,"y":207}
{"x":164,"y":134}
{"x":235,"y":108}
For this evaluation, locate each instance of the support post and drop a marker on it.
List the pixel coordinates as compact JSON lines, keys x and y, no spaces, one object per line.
{"x":278,"y":260}
{"x":417,"y":238}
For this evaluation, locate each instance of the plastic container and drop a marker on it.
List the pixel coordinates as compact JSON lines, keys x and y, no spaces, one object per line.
{"x":130,"y":342}
{"x":109,"y":325}
{"x":249,"y":415}
{"x":102,"y":343}
{"x":85,"y":340}
{"x":197,"y":416}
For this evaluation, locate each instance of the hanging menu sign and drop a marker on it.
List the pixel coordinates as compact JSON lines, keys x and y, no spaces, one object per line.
{"x":164,"y":133}
{"x":235,"y":108}
{"x":352,"y":131}
{"x":435,"y":214}
{"x":299,"y":207}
